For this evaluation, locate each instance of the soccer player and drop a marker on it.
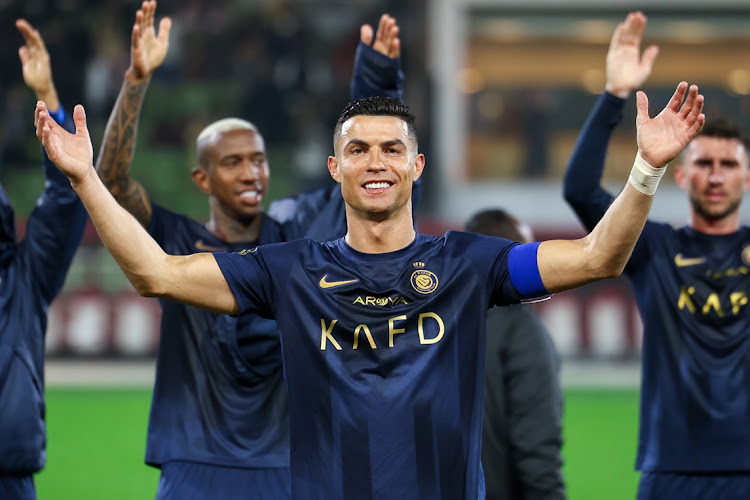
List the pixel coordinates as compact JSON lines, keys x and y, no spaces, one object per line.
{"x":382,"y":331}
{"x":522,"y":431}
{"x":219,"y":425}
{"x":32,"y":273}
{"x":691,"y":286}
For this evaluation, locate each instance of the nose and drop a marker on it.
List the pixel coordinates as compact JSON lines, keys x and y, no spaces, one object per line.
{"x":249,"y":171}
{"x":716,"y":176}
{"x":376,"y":163}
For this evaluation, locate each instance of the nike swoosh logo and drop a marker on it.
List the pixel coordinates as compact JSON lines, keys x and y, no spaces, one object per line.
{"x":208,"y":248}
{"x":330,"y":284}
{"x":681,"y":261}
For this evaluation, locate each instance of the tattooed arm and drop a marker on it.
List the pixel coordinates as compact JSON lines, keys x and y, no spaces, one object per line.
{"x":147,"y":52}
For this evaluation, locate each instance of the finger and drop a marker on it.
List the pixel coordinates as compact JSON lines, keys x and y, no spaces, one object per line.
{"x":696,"y":109}
{"x":641,"y":106}
{"x":636,"y":25}
{"x":395,"y":51}
{"x":150,"y":14}
{"x":23,"y":54}
{"x":689,"y":103}
{"x":677,"y":97}
{"x":649,"y":56}
{"x":365,"y":34}
{"x":79,"y":118}
{"x":139,"y":17}
{"x":165,"y":26}
{"x":388,"y":32}
{"x":135,"y":37}
{"x":25,"y":28}
{"x":380,"y":34}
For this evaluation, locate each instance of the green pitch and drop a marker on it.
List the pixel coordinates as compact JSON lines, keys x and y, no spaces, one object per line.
{"x":96,"y":441}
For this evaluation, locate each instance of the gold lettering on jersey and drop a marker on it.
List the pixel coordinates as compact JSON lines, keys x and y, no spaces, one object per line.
{"x":732,"y":272}
{"x":392,"y":330}
{"x":685,"y":300}
{"x":379,"y":301}
{"x":326,"y":335}
{"x":738,"y":300}
{"x":712,"y":302}
{"x":363,"y":328}
{"x":430,"y":328}
{"x":248,"y":250}
{"x":441,"y":328}
{"x":424,"y":281}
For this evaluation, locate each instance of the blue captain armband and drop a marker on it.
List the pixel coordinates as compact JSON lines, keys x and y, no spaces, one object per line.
{"x":524,"y":271}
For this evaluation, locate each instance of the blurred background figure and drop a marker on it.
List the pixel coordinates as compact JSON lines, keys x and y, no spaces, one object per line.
{"x":523,"y":403}
{"x":32,"y":273}
{"x":691,"y":285}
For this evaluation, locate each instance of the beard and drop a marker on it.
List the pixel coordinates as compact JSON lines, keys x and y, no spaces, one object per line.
{"x":714,"y":213}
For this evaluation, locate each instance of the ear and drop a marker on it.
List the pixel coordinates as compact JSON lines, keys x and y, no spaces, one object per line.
{"x":679,"y":176}
{"x":200,"y":179}
{"x":418,"y":166}
{"x":333,"y":168}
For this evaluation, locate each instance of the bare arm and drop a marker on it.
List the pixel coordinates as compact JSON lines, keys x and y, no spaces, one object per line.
{"x":147,"y":52}
{"x":194,"y":280}
{"x":604,"y":252}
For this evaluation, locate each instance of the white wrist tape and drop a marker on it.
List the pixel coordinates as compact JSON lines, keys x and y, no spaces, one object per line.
{"x":644,"y":177}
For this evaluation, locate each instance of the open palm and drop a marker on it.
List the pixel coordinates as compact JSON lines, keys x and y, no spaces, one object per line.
{"x":662,"y":138}
{"x":72,"y":153}
{"x":147,"y":48}
{"x":35,"y":65}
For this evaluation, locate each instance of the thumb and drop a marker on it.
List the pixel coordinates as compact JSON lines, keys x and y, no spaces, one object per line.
{"x":641,"y":104}
{"x":365,"y":34}
{"x":165,"y":25}
{"x":79,"y":118}
{"x":649,"y":56}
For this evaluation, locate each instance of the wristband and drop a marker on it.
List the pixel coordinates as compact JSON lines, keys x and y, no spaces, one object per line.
{"x":644,"y":177}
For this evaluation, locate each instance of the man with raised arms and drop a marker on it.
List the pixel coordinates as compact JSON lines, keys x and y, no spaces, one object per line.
{"x":382,"y":331}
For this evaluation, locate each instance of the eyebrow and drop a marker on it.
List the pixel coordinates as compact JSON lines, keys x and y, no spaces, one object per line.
{"x":385,"y":144}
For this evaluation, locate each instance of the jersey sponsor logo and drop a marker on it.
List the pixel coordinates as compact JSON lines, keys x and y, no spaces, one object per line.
{"x":248,"y":250}
{"x":379,"y":301}
{"x":681,"y":261}
{"x":324,"y":283}
{"x":430,"y":329}
{"x":712,"y":304}
{"x":199,"y":245}
{"x":424,"y":282}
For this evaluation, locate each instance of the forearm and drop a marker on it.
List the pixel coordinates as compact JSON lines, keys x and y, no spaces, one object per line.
{"x":583,"y":174}
{"x":50,"y":98}
{"x":118,"y":147}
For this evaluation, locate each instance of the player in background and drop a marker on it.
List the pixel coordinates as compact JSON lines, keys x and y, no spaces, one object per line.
{"x":523,"y":402}
{"x":219,"y":425}
{"x":691,"y":285}
{"x":382,"y":331}
{"x":32,"y":272}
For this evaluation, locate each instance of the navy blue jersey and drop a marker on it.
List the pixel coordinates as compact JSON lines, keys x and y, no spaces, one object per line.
{"x":692,"y":290}
{"x":32,"y":273}
{"x":383,"y":358}
{"x":218,"y":399}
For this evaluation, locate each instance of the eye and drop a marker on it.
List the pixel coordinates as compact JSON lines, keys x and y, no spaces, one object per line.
{"x":356,"y":151}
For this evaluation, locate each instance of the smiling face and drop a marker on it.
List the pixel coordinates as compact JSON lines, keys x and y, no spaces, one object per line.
{"x":376,"y":164}
{"x":233,"y":171}
{"x":714,"y":173}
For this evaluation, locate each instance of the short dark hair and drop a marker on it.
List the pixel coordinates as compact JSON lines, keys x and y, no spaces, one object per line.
{"x":377,"y":106}
{"x":725,"y":129}
{"x":495,"y":222}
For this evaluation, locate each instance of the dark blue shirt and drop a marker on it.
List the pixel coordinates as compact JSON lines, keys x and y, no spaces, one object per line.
{"x":32,"y":273}
{"x":692,"y":291}
{"x":383,"y":358}
{"x":218,"y":395}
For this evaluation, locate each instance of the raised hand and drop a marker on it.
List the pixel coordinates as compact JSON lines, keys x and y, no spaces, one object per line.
{"x":147,"y":48}
{"x":37,"y":72}
{"x":627,"y":70}
{"x":662,"y":138}
{"x":386,"y":41}
{"x":72,"y":154}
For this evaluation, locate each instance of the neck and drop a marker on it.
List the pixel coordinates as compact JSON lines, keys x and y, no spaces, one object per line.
{"x":232,"y":230}
{"x":725,"y":225}
{"x":368,"y":235}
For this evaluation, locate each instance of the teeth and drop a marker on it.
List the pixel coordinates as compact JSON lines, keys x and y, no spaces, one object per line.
{"x":249,"y":194}
{"x":376,"y":185}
